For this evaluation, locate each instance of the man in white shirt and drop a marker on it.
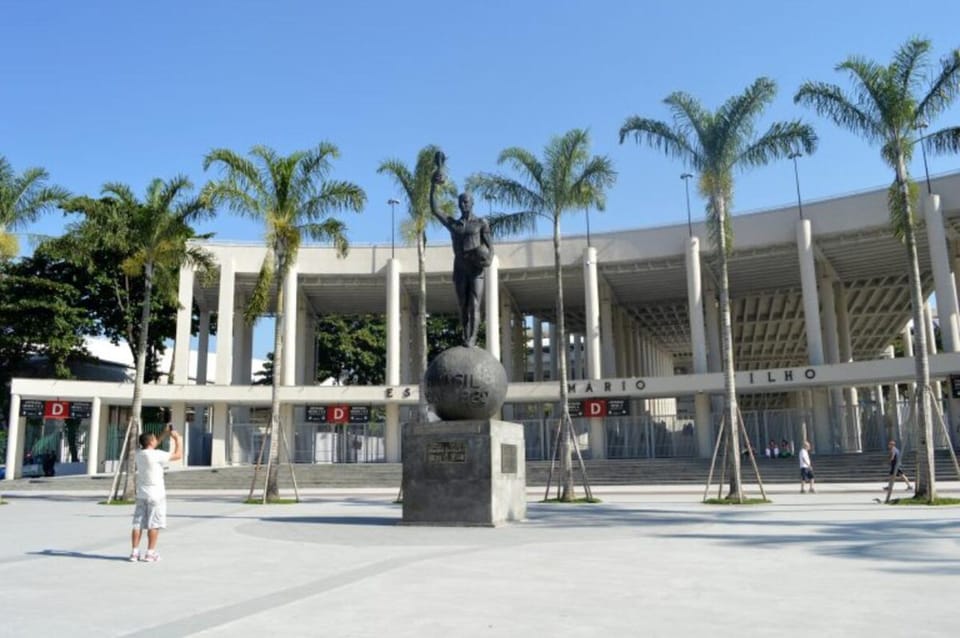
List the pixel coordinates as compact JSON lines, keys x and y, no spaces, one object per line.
{"x":150,"y":512}
{"x":806,"y":469}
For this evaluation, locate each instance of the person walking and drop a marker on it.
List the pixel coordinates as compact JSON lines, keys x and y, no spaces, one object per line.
{"x":895,"y":469}
{"x":150,"y":511}
{"x":806,"y":469}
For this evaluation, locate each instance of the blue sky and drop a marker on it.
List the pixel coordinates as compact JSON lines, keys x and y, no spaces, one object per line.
{"x":104,"y":90}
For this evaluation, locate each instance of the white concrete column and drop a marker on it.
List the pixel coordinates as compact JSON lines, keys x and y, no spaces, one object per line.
{"x":506,"y":334}
{"x":203,"y":347}
{"x":15,"y":436}
{"x":537,"y":349}
{"x":942,"y":277}
{"x":92,"y":451}
{"x":181,"y":345}
{"x":407,"y":332}
{"x":906,"y":336}
{"x":931,"y":344}
{"x":225,"y":306}
{"x":493,"y":308}
{"x":851,"y":397}
{"x":576,"y":361}
{"x":811,"y":316}
{"x":290,"y":299}
{"x":712,"y":312}
{"x":218,"y":443}
{"x":608,"y":358}
{"x":306,"y":348}
{"x":554,"y":354}
{"x":811,"y":300}
{"x":591,"y":297}
{"x":392,"y":373}
{"x":178,"y":415}
{"x":698,"y":345}
{"x":519,"y":347}
{"x":831,"y":347}
{"x":243,"y":351}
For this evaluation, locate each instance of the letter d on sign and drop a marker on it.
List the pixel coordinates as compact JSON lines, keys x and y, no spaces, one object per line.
{"x":56,"y":409}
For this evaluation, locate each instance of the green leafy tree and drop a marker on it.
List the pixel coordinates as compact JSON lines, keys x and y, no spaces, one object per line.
{"x":567,"y":179}
{"x":715,"y":145}
{"x":886,"y":107}
{"x":352,"y":349}
{"x":43,"y":321}
{"x":294,"y":198}
{"x":415,"y":186}
{"x":264,"y":376}
{"x":153,"y":236}
{"x":22,"y":199}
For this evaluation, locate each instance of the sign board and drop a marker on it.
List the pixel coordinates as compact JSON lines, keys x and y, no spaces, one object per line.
{"x":56,"y":409}
{"x":31,"y":408}
{"x":575,"y":408}
{"x":316,"y":414}
{"x":80,"y":409}
{"x":955,"y":386}
{"x":618,"y":407}
{"x":338,"y":413}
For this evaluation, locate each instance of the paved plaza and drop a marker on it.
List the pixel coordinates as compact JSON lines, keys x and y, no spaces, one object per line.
{"x":647,"y":561}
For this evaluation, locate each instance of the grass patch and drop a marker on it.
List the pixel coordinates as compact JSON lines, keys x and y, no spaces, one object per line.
{"x":270,"y":501}
{"x":576,"y":500}
{"x":942,"y":500}
{"x":118,"y":501}
{"x":733,"y":501}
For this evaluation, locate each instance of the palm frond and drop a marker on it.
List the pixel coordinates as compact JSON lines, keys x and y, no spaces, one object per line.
{"x":660,"y":136}
{"x":506,"y":190}
{"x":907,"y":61}
{"x":259,"y":302}
{"x":781,"y":139}
{"x":525,"y":163}
{"x":690,"y":119}
{"x":508,"y":224}
{"x":829,"y":100}
{"x":944,"y":89}
{"x":944,"y":141}
{"x":737,"y":115}
{"x":231,"y":193}
{"x":334,"y":196}
{"x":589,"y":188}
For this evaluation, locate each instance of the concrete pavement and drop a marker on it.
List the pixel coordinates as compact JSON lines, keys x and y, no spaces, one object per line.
{"x":647,"y":561}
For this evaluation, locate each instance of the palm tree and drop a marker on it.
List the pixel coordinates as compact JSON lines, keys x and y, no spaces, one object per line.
{"x":294,"y":199}
{"x":714,"y":145}
{"x":153,"y":234}
{"x":416,"y":190}
{"x":886,"y":107}
{"x":22,"y":199}
{"x":567,"y":180}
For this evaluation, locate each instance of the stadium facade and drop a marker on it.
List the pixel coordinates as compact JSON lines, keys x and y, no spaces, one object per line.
{"x":818,"y":299}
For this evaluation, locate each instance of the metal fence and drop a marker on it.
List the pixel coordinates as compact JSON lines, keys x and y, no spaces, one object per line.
{"x":312,"y":443}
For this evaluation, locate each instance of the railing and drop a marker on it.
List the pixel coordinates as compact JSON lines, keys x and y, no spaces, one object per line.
{"x":312,"y":443}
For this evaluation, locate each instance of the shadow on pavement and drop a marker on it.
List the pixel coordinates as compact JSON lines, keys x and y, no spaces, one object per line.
{"x":63,"y":553}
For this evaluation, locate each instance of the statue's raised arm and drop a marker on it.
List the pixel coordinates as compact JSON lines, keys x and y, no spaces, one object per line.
{"x":438,"y":178}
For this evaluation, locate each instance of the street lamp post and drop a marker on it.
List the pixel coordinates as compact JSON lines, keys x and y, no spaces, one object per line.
{"x":921,"y":126}
{"x":586,"y":211}
{"x":393,"y":227}
{"x":686,"y":185}
{"x":796,"y":179}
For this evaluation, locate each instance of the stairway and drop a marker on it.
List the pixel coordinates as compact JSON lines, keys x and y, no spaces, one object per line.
{"x":843,"y":468}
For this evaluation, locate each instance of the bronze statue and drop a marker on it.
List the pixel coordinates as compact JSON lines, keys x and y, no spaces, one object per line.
{"x":472,"y":252}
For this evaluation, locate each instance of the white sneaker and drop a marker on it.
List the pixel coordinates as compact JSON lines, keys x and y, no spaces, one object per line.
{"x":151,"y":557}
{"x":134,"y":556}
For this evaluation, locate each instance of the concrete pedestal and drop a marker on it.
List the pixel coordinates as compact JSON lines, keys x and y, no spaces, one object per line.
{"x":463,"y":473}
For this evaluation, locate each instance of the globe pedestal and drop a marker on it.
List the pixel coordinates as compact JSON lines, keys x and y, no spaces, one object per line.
{"x":464,"y":473}
{"x":468,"y":468}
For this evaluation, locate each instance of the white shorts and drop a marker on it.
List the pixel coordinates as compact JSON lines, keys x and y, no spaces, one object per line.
{"x":150,"y":514}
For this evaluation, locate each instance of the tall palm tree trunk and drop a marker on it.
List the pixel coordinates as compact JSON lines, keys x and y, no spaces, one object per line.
{"x":422,"y":323}
{"x":566,"y":425}
{"x":273,"y":431}
{"x":926,"y":476}
{"x":136,"y":408}
{"x":730,"y":411}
